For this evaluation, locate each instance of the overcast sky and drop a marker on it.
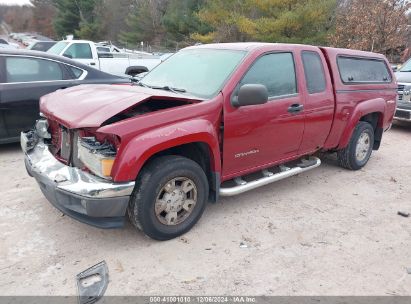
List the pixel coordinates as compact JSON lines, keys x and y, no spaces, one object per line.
{"x":21,"y":2}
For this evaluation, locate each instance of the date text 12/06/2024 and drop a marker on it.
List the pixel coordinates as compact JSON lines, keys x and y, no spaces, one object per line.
{"x":204,"y":299}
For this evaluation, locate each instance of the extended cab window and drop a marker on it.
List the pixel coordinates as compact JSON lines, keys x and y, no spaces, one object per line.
{"x":79,"y":51}
{"x":314,"y":72}
{"x":21,"y":69}
{"x":355,"y":70}
{"x":101,"y":49}
{"x":276,"y":71}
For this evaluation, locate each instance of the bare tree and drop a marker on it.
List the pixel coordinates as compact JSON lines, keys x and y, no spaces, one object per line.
{"x":371,"y":25}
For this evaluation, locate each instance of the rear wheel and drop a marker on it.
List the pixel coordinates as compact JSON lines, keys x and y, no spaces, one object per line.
{"x":358,"y":152}
{"x":169,"y":197}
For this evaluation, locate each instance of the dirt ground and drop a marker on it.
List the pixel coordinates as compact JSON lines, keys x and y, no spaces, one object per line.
{"x":326,"y":232}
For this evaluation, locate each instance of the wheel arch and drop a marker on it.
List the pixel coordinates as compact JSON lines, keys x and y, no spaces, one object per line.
{"x":201,"y":146}
{"x":200,"y":153}
{"x":371,"y":111}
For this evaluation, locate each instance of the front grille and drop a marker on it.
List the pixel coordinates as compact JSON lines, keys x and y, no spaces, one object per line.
{"x":402,"y":114}
{"x":65,"y":149}
{"x":61,"y":139}
{"x":401,"y":88}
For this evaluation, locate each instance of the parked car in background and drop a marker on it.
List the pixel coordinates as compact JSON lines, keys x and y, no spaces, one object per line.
{"x":403,"y":75}
{"x":4,"y":44}
{"x":25,"y":76}
{"x":42,"y":46}
{"x":212,"y":120}
{"x":113,"y":62}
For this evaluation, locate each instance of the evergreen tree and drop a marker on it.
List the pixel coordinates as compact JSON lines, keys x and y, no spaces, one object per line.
{"x":181,"y":20}
{"x":292,"y":21}
{"x":77,"y":17}
{"x":67,"y":19}
{"x":145,"y":23}
{"x":168,"y":23}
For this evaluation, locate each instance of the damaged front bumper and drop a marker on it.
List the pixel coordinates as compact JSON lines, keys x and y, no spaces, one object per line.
{"x":80,"y":195}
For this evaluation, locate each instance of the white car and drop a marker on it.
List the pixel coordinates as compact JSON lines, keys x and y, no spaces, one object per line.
{"x":4,"y":44}
{"x":104,"y":58}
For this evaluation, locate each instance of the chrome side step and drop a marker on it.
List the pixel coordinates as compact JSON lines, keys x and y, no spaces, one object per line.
{"x":270,"y":177}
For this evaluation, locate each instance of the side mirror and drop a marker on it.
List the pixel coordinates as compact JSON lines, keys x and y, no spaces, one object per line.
{"x":68,"y":56}
{"x":249,"y":95}
{"x":394,"y":68}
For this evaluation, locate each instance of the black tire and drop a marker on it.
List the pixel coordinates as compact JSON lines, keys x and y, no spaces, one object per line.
{"x":153,"y":177}
{"x":347,"y":157}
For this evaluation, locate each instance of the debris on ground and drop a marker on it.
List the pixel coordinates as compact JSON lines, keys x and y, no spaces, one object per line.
{"x":119,"y":267}
{"x":92,"y":283}
{"x":243,"y":245}
{"x":409,"y":270}
{"x":392,"y":179}
{"x":403,"y":214}
{"x":184,"y":240}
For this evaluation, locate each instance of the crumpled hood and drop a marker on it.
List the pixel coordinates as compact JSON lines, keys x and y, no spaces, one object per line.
{"x":91,"y":105}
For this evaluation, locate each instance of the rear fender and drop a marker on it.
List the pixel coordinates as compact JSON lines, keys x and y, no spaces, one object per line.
{"x":377,"y":105}
{"x":137,"y":151}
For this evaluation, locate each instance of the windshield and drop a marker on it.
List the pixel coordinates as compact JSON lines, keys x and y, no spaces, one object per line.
{"x":57,"y":48}
{"x":406,"y":67}
{"x":199,"y":72}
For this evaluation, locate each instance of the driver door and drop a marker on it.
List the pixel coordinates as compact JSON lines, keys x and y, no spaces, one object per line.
{"x":257,"y":136}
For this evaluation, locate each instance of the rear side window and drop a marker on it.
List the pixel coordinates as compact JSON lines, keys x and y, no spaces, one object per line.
{"x":76,"y":72}
{"x":21,"y":69}
{"x":79,"y":51}
{"x":275,"y":71}
{"x":103,"y":49}
{"x":314,"y":72}
{"x":354,"y":70}
{"x":42,"y":46}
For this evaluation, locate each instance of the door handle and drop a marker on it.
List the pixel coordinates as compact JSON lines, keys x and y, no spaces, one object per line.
{"x":92,"y":63}
{"x":295,"y":108}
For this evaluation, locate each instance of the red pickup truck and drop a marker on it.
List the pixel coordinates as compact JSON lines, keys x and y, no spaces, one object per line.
{"x":212,"y":120}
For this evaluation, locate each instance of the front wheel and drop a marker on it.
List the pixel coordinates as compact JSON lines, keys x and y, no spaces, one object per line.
{"x":358,"y":152}
{"x":169,"y":197}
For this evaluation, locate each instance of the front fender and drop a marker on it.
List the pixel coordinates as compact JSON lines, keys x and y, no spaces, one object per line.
{"x":137,"y":151}
{"x":377,"y":105}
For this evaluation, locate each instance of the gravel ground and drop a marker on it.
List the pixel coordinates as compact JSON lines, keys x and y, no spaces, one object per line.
{"x":326,"y":232}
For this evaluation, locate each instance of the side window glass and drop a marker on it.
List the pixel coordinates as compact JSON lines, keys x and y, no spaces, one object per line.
{"x":79,"y":51}
{"x":21,"y":69}
{"x":103,"y":49}
{"x":76,"y":72}
{"x":275,"y":71}
{"x":314,"y":72}
{"x":355,"y":70}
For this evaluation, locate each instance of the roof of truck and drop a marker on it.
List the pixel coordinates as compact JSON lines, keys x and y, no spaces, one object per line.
{"x":251,"y":46}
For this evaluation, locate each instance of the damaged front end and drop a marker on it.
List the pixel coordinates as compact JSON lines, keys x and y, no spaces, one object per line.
{"x":86,"y":195}
{"x":73,"y":158}
{"x":96,"y":156}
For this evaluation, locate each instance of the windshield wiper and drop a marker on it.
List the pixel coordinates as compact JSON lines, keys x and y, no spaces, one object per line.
{"x":406,"y":71}
{"x":165,"y":88}
{"x":174,"y":90}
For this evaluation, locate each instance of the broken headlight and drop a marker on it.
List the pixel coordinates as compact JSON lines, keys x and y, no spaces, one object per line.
{"x":97,"y":157}
{"x":42,"y":129}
